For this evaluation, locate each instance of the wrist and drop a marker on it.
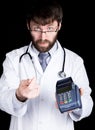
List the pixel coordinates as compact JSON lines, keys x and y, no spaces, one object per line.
{"x":19,"y":97}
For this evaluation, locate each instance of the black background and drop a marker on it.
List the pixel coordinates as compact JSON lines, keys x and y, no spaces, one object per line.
{"x":77,"y":34}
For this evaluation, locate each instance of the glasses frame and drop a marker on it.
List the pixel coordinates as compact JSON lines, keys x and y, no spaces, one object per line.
{"x":41,"y":31}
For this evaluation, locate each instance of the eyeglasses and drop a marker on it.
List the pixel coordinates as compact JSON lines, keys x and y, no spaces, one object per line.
{"x":49,"y":30}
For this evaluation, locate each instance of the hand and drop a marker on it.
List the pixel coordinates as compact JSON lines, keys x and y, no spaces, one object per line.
{"x":27,"y":89}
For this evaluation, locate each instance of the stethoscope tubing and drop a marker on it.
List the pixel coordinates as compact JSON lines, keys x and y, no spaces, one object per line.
{"x":62,"y":74}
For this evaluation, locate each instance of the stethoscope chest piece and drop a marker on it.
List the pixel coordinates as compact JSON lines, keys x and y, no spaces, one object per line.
{"x":62,"y":74}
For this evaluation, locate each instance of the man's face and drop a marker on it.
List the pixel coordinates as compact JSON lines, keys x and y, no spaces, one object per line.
{"x":44,"y":37}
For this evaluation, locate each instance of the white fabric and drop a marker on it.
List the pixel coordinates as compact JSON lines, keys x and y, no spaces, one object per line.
{"x":40,"y":113}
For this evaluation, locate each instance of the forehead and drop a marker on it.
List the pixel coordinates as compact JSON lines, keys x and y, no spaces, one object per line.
{"x":54,"y":23}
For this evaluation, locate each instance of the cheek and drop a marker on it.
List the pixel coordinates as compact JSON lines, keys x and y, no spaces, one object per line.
{"x":34,"y":37}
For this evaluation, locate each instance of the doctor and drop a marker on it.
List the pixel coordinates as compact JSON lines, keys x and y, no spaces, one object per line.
{"x":27,"y":92}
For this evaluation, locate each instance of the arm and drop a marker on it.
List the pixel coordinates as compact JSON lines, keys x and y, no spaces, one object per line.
{"x":81,"y":79}
{"x":11,"y":87}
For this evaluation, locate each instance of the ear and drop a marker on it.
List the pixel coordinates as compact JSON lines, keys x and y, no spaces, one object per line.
{"x":60,"y":25}
{"x":28,"y":26}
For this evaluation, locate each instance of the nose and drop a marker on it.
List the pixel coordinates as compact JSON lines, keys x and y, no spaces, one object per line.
{"x":43,"y":35}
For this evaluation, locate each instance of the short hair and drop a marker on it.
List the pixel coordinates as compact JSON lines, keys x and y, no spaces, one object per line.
{"x":45,"y":12}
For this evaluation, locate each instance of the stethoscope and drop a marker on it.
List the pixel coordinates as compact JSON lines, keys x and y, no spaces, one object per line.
{"x":61,"y":73}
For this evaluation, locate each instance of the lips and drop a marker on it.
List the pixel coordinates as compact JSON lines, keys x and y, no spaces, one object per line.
{"x":42,"y":43}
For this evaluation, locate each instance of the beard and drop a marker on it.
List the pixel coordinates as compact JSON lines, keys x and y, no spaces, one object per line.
{"x":43,"y":45}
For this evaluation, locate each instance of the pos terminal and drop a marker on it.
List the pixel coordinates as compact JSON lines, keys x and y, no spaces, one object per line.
{"x":67,"y":95}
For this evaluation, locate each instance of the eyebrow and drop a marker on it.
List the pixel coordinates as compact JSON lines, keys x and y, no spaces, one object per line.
{"x":36,"y":24}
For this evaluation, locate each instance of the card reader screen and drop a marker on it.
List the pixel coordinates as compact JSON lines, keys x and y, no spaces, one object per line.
{"x":64,"y":89}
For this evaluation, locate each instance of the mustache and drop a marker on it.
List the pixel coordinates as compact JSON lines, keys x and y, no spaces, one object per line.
{"x":40,"y":40}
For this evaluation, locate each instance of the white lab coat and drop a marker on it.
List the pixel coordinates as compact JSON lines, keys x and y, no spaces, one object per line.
{"x":40,"y":113}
